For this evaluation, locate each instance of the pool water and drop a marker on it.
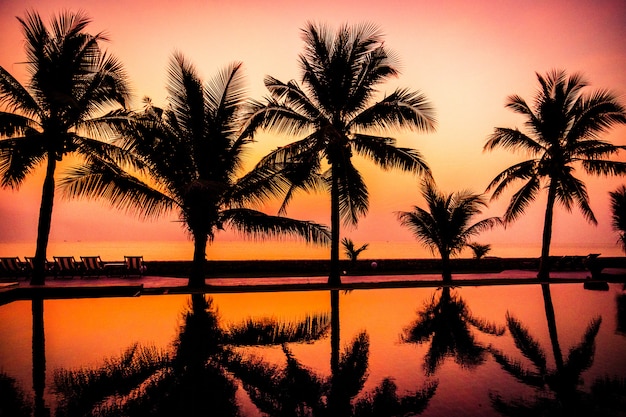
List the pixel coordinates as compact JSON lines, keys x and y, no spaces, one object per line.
{"x":461,"y":351}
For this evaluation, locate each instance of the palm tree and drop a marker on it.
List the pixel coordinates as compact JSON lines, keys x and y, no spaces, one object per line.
{"x":564,"y":126}
{"x":72,"y":82}
{"x":618,"y":208}
{"x":479,"y":249}
{"x":445,"y":322}
{"x":191,"y":154}
{"x":445,"y":225}
{"x":351,"y":251}
{"x":340,"y":75}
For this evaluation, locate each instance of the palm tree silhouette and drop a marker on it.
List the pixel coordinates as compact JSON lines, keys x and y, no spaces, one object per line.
{"x":479,"y":249}
{"x":190,"y":155}
{"x":72,"y":82}
{"x":444,"y":226}
{"x":340,"y":75}
{"x":565,"y":127}
{"x":618,"y":209}
{"x":445,"y":323}
{"x":193,"y":380}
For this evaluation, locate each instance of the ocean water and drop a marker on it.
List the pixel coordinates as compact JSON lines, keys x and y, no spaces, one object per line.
{"x":272,"y":250}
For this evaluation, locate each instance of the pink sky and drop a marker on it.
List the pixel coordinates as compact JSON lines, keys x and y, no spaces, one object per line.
{"x":467,"y":57}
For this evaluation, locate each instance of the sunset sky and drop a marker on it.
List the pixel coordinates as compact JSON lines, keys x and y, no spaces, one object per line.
{"x":467,"y":57}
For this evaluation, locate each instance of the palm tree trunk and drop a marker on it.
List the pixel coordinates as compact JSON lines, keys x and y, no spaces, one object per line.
{"x":45,"y":222}
{"x":544,"y":263}
{"x":446,"y":268}
{"x":335,"y":275}
{"x":196,"y":279}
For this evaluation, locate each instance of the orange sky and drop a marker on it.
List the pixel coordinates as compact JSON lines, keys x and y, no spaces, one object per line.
{"x":467,"y":57}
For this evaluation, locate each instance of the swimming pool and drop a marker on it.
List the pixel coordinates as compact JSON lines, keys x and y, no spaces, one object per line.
{"x":461,"y":351}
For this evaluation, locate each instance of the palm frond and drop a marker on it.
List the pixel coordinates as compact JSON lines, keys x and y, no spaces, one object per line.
{"x":512,"y":139}
{"x":570,"y":189}
{"x":618,"y":209}
{"x":19,"y":156}
{"x":385,"y":154}
{"x":353,"y":195}
{"x":521,"y":200}
{"x":102,"y":180}
{"x":15,"y":98}
{"x":403,"y":109}
{"x":517,"y":370}
{"x":259,"y":225}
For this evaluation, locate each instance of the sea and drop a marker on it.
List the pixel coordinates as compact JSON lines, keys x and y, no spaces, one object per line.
{"x":276,"y":250}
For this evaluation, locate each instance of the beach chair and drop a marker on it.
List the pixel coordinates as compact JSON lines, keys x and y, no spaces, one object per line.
{"x":12,"y":267}
{"x":30,"y":265}
{"x":134,"y":265}
{"x":66,"y":267}
{"x":92,"y":266}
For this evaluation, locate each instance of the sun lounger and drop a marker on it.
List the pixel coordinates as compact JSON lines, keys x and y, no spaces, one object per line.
{"x":66,"y":267}
{"x":12,"y":267}
{"x":134,"y":265}
{"x":92,"y":266}
{"x":30,"y":265}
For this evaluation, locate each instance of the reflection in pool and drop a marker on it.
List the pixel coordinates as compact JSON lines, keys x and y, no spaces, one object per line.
{"x":464,"y":351}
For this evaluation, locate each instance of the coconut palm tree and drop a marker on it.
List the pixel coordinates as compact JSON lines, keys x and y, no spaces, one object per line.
{"x":444,"y":226}
{"x":618,"y":209}
{"x":190,"y":155}
{"x":61,"y":109}
{"x":479,"y":249}
{"x":564,"y":128}
{"x":350,"y":249}
{"x":333,"y":110}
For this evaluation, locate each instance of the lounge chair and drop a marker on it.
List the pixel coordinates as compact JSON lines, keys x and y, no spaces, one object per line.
{"x":134,"y":265}
{"x":92,"y":266}
{"x":66,"y":267}
{"x":30,"y":265}
{"x":12,"y":267}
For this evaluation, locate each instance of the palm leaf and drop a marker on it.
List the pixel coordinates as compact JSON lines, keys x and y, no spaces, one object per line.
{"x":385,"y":154}
{"x":257,"y":224}
{"x":273,"y":332}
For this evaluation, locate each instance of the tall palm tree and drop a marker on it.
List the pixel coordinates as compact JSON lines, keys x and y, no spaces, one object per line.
{"x":564,"y":127}
{"x":333,"y":109}
{"x":445,"y":225}
{"x":190,"y":155}
{"x":618,"y":209}
{"x":61,"y":109}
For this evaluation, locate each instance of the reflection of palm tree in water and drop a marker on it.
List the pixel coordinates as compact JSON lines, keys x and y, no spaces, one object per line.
{"x":294,"y":390}
{"x":445,"y":322}
{"x":558,"y":388}
{"x":192,"y":381}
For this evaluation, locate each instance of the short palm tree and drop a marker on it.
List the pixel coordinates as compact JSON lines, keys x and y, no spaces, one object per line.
{"x":479,"y":249}
{"x":333,"y":110}
{"x":61,"y":109}
{"x":350,"y":249}
{"x":444,"y":226}
{"x":618,"y":209}
{"x":564,"y":127}
{"x":190,"y":155}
